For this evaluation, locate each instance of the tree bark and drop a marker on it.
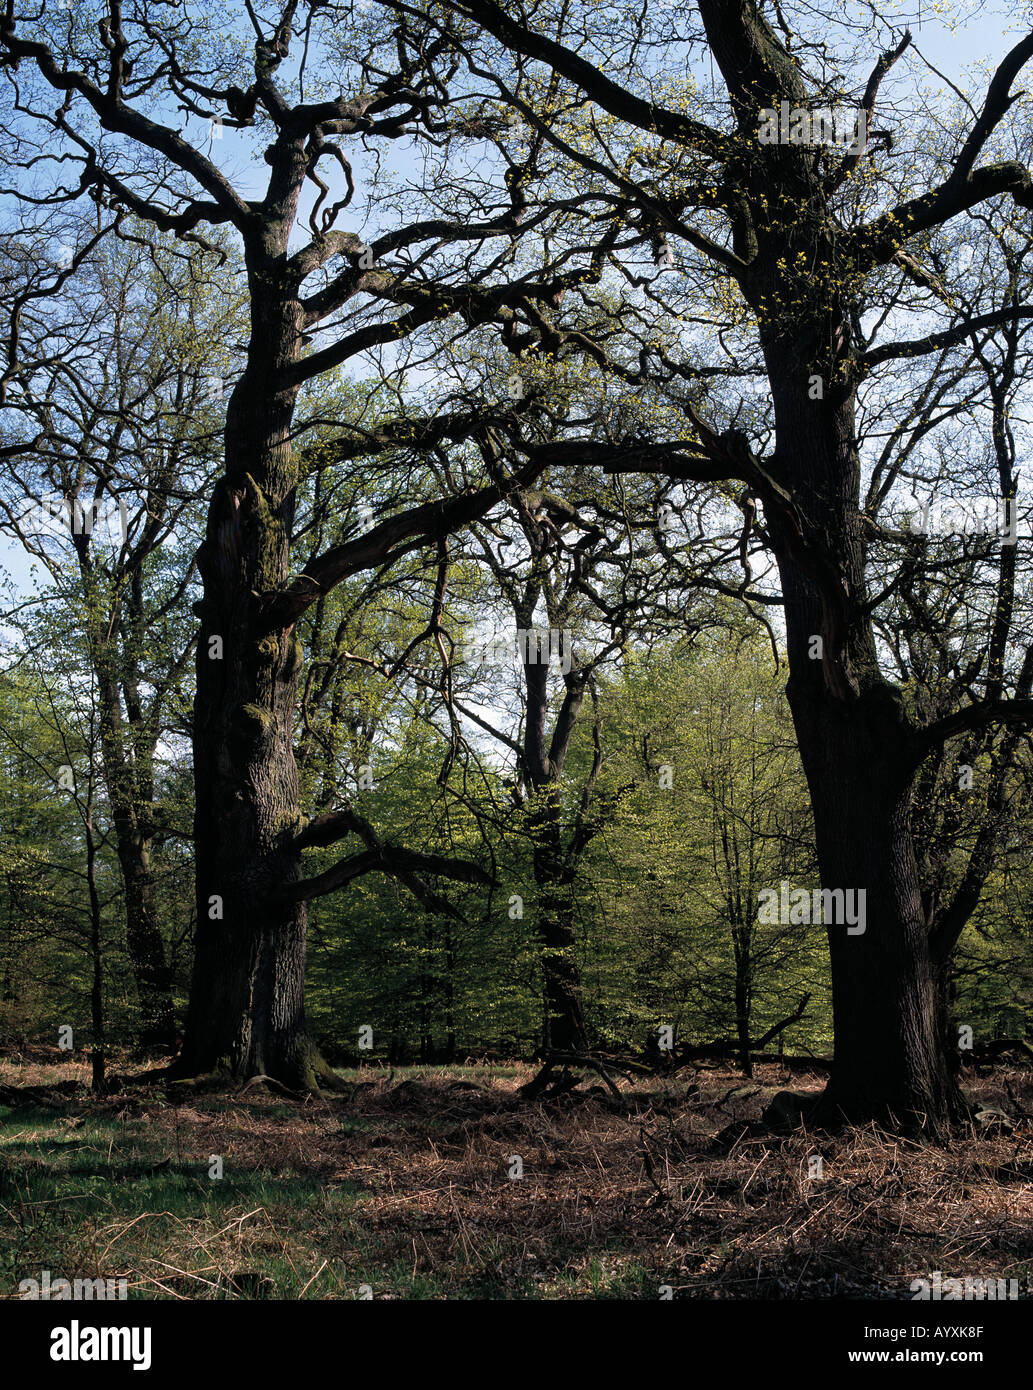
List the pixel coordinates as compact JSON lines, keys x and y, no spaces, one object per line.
{"x":150,"y":965}
{"x":856,"y":743}
{"x":743,"y":967}
{"x":130,"y":785}
{"x":247,"y":999}
{"x":98,"y":1060}
{"x":563,"y":1023}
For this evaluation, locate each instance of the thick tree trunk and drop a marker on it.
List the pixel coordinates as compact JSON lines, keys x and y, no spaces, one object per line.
{"x":891,"y":1059}
{"x":856,"y":743}
{"x":247,"y":1011}
{"x":855,"y":737}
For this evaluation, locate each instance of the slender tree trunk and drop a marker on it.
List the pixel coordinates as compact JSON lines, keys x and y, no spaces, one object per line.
{"x":130,"y":791}
{"x":450,"y":993}
{"x":98,"y":1078}
{"x":150,"y":966}
{"x":563,"y":1024}
{"x":743,"y":1011}
{"x":427,"y":985}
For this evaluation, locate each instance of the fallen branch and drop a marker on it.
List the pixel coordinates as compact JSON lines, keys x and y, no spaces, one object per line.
{"x":997,"y":1046}
{"x":731,"y":1047}
{"x":539,"y":1084}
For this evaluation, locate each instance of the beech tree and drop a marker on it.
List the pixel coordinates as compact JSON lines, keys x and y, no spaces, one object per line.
{"x":785,"y":237}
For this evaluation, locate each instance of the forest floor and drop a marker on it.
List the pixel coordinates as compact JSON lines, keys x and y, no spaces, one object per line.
{"x":401,"y":1188}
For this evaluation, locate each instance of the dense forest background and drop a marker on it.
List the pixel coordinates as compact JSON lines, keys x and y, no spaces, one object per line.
{"x":698,"y":803}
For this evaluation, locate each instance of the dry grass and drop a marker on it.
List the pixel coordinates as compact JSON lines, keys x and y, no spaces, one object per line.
{"x":404,"y":1185}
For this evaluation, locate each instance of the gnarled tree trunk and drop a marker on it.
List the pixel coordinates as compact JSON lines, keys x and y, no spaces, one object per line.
{"x":247,"y":1006}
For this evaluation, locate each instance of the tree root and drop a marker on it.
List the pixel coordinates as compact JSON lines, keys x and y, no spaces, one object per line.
{"x":273,"y":1085}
